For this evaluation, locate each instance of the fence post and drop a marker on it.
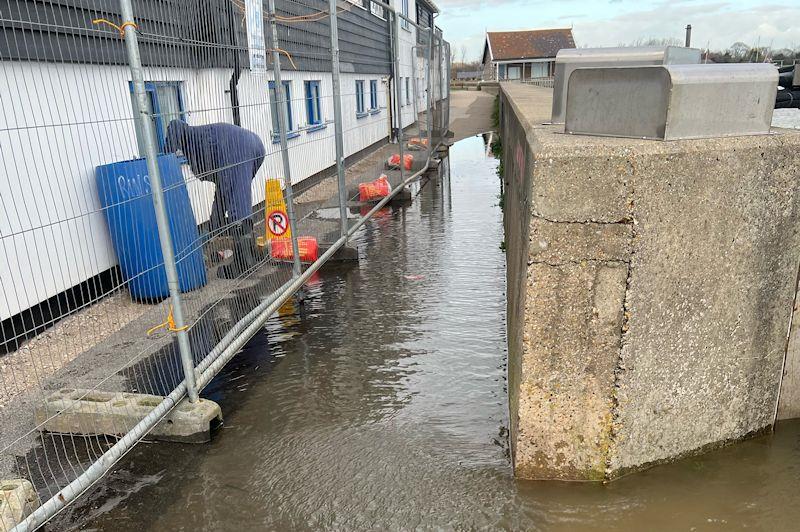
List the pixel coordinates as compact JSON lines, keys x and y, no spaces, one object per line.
{"x":439,"y":92}
{"x":398,"y":103}
{"x":429,"y":81}
{"x":337,"y":118}
{"x":448,"y":66}
{"x":283,"y":119}
{"x":162,"y":220}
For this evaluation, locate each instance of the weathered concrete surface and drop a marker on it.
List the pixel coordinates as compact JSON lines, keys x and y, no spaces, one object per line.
{"x":91,"y":412}
{"x":18,"y":500}
{"x":648,"y":311}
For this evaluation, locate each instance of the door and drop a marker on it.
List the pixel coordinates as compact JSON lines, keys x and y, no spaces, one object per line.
{"x":514,"y":72}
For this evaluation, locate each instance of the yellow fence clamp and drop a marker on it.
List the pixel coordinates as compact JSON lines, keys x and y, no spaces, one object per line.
{"x":168,"y":324}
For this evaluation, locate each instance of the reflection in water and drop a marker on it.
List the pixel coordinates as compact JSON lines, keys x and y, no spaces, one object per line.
{"x":380,"y":403}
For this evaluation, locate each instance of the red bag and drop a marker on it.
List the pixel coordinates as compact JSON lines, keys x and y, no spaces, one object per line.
{"x":394,"y":161}
{"x":281,"y":249}
{"x":417,"y":144}
{"x":374,"y":190}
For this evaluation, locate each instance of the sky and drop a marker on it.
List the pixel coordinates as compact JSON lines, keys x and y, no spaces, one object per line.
{"x":715,"y":24}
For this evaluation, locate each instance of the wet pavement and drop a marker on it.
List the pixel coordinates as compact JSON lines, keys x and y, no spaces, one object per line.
{"x":380,"y":403}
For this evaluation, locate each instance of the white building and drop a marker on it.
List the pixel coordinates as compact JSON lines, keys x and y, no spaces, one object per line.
{"x":523,"y":54}
{"x":67,"y":109}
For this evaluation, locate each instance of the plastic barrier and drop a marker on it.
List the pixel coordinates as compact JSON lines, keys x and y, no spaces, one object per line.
{"x":281,"y":249}
{"x":394,"y":161}
{"x":374,"y":190}
{"x":124,"y":191}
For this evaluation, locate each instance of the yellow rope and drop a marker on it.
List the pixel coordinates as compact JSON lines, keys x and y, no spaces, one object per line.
{"x":120,"y":29}
{"x":169,"y":324}
{"x":281,"y":51}
{"x":311,"y":17}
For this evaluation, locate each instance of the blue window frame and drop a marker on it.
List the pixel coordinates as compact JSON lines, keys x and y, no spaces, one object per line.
{"x":403,"y":22}
{"x":373,"y":95}
{"x":313,"y":104}
{"x":273,"y":108}
{"x":408,"y":91}
{"x":360,"y":109}
{"x":166,"y":104}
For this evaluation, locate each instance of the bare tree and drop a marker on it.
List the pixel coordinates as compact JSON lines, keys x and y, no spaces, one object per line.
{"x":739,"y":51}
{"x":463,"y":52}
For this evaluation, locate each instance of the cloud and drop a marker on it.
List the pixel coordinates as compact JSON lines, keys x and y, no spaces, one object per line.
{"x":717,"y":24}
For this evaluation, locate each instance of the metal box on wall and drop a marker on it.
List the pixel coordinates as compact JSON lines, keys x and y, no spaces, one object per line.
{"x":567,"y":60}
{"x":672,"y":102}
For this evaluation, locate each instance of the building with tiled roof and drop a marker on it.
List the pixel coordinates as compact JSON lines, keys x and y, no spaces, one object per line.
{"x":524,"y":54}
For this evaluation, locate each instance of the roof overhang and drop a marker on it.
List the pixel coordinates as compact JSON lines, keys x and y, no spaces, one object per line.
{"x":430,"y":4}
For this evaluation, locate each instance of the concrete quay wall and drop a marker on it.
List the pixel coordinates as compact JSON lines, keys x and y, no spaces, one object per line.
{"x":651,"y":286}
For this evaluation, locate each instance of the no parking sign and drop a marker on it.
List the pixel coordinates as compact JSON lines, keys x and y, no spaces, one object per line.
{"x":277,"y":223}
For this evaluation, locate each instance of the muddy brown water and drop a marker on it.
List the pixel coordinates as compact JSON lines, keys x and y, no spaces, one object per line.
{"x":381,"y":404}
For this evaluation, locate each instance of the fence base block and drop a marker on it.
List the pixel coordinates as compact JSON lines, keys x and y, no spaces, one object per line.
{"x":18,"y":500}
{"x":343,"y":254}
{"x":92,"y":412}
{"x":404,"y":197}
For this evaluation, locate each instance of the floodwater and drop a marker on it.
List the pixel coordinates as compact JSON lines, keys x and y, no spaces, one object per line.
{"x":381,"y":405}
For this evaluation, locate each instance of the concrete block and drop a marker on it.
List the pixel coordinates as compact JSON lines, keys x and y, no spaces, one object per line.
{"x":563,"y":242}
{"x":343,"y":254}
{"x":650,"y":320}
{"x":710,"y":297}
{"x":92,"y":412}
{"x":573,"y":324}
{"x":404,"y":197}
{"x":18,"y":499}
{"x":572,"y":187}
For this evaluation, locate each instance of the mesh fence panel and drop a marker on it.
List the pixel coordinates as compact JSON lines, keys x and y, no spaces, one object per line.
{"x":87,"y":312}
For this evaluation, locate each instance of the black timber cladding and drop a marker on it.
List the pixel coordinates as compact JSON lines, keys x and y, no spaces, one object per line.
{"x":364,"y":45}
{"x":187,"y":34}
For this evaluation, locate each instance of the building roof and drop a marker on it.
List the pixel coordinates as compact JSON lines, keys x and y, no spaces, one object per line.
{"x":528,"y":44}
{"x":430,"y":4}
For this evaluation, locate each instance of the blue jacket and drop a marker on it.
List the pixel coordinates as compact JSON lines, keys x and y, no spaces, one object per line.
{"x":225,"y":154}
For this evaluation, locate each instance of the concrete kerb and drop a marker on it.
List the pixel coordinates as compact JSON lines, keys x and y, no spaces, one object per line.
{"x":18,"y":500}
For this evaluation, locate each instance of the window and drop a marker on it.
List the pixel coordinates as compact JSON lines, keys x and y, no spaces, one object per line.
{"x":408,"y":91}
{"x":165,"y":100}
{"x":360,"y":110}
{"x":403,"y":22}
{"x":376,"y":10}
{"x":273,"y":109}
{"x":373,"y":95}
{"x":313,"y":104}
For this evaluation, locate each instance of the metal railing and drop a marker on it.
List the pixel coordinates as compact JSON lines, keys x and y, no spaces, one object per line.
{"x":539,"y":82}
{"x":168,"y":170}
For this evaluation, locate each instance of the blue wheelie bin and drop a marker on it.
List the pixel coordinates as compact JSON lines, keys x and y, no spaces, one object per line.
{"x":126,"y":197}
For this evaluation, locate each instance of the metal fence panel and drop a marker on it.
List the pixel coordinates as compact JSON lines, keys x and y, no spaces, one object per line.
{"x":137,"y":216}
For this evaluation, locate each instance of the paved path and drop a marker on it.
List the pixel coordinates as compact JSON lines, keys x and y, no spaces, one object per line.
{"x":470,"y":113}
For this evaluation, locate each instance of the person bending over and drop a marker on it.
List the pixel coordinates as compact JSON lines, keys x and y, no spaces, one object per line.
{"x":228,"y":156}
